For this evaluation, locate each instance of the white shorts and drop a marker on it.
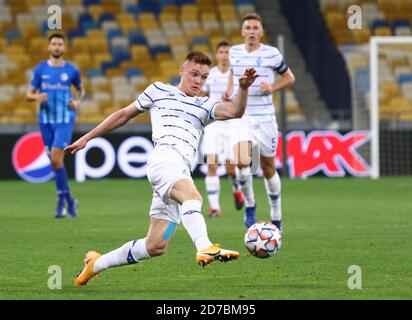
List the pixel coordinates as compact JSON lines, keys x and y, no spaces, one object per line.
{"x":220,"y":137}
{"x":261,"y":133}
{"x":165,"y":167}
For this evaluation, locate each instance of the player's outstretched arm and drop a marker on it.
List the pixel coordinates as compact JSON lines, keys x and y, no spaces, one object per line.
{"x":236,"y":109}
{"x":115,"y":120}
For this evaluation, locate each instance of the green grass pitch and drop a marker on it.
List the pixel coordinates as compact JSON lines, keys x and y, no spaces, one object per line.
{"x":329,"y":225}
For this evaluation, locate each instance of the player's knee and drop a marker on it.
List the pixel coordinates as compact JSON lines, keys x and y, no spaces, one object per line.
{"x":212,"y":169}
{"x":56,"y":163}
{"x":268,"y":171}
{"x":195,"y":196}
{"x":156,"y":249}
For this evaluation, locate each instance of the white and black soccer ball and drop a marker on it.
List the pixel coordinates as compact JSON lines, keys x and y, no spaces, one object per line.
{"x":263,"y":239}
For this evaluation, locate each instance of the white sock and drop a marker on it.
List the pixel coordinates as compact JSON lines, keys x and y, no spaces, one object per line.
{"x":194,"y":223}
{"x":213,"y":190}
{"x":273,"y":188}
{"x":130,"y":252}
{"x":245,"y":179}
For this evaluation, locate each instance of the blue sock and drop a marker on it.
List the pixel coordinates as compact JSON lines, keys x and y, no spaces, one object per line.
{"x":62,"y":184}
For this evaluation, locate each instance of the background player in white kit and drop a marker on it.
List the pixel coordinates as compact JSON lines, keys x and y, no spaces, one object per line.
{"x":219,"y":136}
{"x":259,"y":118}
{"x":178,"y":118}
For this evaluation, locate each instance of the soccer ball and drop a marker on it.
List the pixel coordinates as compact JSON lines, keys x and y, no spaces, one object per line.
{"x":263,"y":239}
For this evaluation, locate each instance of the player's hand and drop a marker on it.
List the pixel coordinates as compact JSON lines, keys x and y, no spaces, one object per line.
{"x":41,"y":97}
{"x":266,"y":87}
{"x":74,"y":104}
{"x":247,"y":78}
{"x":75,"y":146}
{"x":226,"y":95}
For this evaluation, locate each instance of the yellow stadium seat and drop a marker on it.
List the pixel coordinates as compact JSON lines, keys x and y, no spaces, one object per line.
{"x":170,"y":8}
{"x":80,"y":45}
{"x":95,"y":34}
{"x":126,"y":26}
{"x":125,"y":17}
{"x":147,"y":17}
{"x":83,"y":61}
{"x":335,"y":19}
{"x":114,"y":8}
{"x":72,"y":3}
{"x":29,"y":29}
{"x":18,"y":7}
{"x":99,"y":45}
{"x":100,"y":57}
{"x":389,"y":89}
{"x":95,"y":10}
{"x":38,"y":44}
{"x":383,"y":31}
{"x":361,"y":35}
{"x":386,"y":5}
{"x":14,"y":50}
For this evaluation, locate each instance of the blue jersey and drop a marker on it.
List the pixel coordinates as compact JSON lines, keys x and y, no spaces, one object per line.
{"x":56,"y":82}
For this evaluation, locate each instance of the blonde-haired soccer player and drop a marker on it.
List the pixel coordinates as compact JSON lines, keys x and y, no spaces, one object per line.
{"x":219,"y":137}
{"x":178,"y":117}
{"x":259,"y":119}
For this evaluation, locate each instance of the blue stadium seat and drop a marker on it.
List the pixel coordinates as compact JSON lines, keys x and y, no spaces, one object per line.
{"x":180,"y":2}
{"x":87,"y":25}
{"x":94,"y":73}
{"x":379,"y":23}
{"x":75,"y":33}
{"x":85,"y":17}
{"x":200,"y":40}
{"x":89,"y":2}
{"x":114,"y":33}
{"x":133,"y":72}
{"x":166,"y":2}
{"x":109,"y":64}
{"x":133,"y":9}
{"x":105,"y":17}
{"x":136,"y":37}
{"x":238,"y":2}
{"x":150,"y":6}
{"x":175,"y":80}
{"x":120,"y":54}
{"x":159,"y":49}
{"x":405,"y":77}
{"x":13,"y":34}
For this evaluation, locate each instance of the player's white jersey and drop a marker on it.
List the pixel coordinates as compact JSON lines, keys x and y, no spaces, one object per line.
{"x":177,"y":120}
{"x":215,"y":86}
{"x":266,"y":59}
{"x":216,"y":83}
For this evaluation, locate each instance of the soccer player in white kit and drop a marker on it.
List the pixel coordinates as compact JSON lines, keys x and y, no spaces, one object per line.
{"x":259,"y":118}
{"x":218,"y":142}
{"x":178,"y":117}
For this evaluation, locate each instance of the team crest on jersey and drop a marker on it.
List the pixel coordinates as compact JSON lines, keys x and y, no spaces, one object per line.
{"x":259,"y":61}
{"x":198,"y":102}
{"x":64,"y":77}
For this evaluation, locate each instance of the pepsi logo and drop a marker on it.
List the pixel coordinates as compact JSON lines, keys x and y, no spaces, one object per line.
{"x":30,"y":159}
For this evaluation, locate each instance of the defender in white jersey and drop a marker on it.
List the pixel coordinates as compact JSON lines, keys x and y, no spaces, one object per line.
{"x":178,"y":117}
{"x":259,"y":120}
{"x":219,"y":139}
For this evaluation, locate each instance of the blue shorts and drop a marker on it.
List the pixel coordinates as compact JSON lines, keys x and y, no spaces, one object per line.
{"x":56,"y":135}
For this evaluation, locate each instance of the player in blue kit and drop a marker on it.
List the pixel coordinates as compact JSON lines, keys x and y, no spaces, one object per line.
{"x":51,"y":86}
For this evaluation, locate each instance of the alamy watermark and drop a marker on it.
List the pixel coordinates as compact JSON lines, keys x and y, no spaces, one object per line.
{"x":55,"y":280}
{"x":54,"y":22}
{"x":355,"y":279}
{"x":354,"y":21}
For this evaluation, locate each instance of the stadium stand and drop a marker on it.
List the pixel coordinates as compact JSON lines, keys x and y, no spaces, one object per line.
{"x":119,"y":46}
{"x":380,"y":18}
